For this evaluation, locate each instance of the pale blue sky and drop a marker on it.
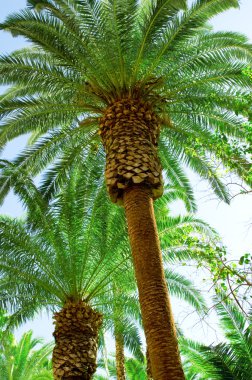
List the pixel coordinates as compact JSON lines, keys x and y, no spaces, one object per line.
{"x":232,"y":222}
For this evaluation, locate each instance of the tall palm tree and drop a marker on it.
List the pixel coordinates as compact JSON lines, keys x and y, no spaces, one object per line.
{"x":128,"y":69}
{"x":231,"y":360}
{"x":23,"y":360}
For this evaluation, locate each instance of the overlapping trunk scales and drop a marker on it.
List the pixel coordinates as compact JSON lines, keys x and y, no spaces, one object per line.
{"x":76,"y":335}
{"x":129,"y":130}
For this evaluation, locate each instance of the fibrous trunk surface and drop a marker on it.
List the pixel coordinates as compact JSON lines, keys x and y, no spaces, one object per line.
{"x":154,"y":299}
{"x":76,"y":335}
{"x":120,"y":358}
{"x":148,"y":366}
{"x":129,"y":130}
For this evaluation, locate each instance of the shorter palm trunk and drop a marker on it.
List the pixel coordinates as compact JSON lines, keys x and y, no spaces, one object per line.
{"x":154,"y":299}
{"x":120,"y":358}
{"x":76,"y":341}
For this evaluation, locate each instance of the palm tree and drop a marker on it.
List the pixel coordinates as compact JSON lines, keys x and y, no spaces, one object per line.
{"x":61,"y":258}
{"x":134,"y":370}
{"x":128,"y":69}
{"x":231,"y":360}
{"x":23,"y":360}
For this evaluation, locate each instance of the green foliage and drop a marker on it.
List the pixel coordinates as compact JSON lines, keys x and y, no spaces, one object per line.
{"x":233,"y":277}
{"x":67,"y":249}
{"x":23,"y":360}
{"x":87,"y":54}
{"x":74,"y":246}
{"x":230,"y":360}
{"x":248,"y":71}
{"x":135,"y":370}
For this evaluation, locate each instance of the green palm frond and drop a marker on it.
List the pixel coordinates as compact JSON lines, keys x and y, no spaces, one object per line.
{"x":161,"y":50}
{"x":196,"y":361}
{"x":23,"y":360}
{"x":132,"y":340}
{"x":230,"y":360}
{"x":188,"y":24}
{"x":182,"y":223}
{"x":183,"y":288}
{"x":154,"y":16}
{"x":63,"y":248}
{"x":135,"y":369}
{"x":238,"y":333}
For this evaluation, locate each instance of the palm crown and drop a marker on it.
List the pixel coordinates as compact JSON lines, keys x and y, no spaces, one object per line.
{"x":151,"y":51}
{"x":67,"y":254}
{"x":23,"y":360}
{"x":62,"y":258}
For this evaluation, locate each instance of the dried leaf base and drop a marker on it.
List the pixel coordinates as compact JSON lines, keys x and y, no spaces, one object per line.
{"x":76,"y":335}
{"x":129,"y":130}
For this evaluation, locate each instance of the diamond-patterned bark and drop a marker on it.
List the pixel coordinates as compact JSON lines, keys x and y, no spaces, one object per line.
{"x":76,"y":335}
{"x":129,"y":130}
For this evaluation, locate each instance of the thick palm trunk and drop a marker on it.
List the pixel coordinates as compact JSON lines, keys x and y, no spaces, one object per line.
{"x":155,"y":305}
{"x":76,"y":342}
{"x":129,"y":130}
{"x":120,"y":358}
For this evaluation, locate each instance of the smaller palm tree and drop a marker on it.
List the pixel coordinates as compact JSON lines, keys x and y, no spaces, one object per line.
{"x":134,"y":370}
{"x":231,"y":360}
{"x":62,"y":257}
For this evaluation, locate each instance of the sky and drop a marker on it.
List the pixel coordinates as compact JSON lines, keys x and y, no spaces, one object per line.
{"x":233,"y":222}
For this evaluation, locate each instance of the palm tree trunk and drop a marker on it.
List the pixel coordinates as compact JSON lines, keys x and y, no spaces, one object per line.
{"x":154,"y":299}
{"x":105,"y":355}
{"x":76,"y":341}
{"x":129,"y":130}
{"x":148,"y":366}
{"x":120,"y":358}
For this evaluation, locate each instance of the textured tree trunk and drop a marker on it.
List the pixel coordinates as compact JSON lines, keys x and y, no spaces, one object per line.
{"x":155,"y":305}
{"x":120,"y":358}
{"x":105,"y":355}
{"x":148,"y":366}
{"x":76,"y":336}
{"x":129,"y":130}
